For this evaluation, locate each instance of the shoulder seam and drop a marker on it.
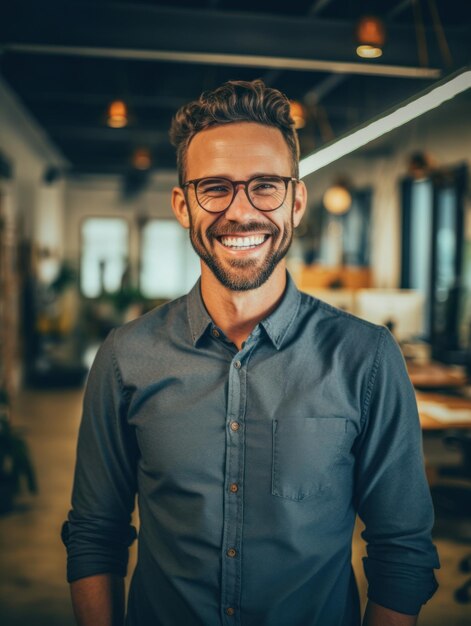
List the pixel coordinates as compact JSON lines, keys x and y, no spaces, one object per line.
{"x":116,"y":367}
{"x":373,"y":372}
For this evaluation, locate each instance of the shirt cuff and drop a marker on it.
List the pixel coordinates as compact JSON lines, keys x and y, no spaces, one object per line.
{"x":400,"y":587}
{"x":91,"y":555}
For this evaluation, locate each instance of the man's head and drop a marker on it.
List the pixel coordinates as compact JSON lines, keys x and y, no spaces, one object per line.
{"x":238,"y":194}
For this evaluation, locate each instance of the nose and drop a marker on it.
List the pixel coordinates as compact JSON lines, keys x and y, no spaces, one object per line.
{"x":240,"y":206}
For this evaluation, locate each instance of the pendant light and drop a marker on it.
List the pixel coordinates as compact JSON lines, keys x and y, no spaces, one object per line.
{"x":117,"y":114}
{"x":298,"y":114}
{"x":370,"y":35}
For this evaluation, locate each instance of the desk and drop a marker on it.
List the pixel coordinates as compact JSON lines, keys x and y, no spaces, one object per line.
{"x":430,"y":405}
{"x":435,"y":375}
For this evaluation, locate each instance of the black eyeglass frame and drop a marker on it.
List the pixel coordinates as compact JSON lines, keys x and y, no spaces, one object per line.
{"x":245,"y":183}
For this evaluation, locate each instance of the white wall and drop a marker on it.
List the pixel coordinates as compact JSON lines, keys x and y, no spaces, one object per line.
{"x":444,"y":133}
{"x":30,"y":152}
{"x":31,"y":212}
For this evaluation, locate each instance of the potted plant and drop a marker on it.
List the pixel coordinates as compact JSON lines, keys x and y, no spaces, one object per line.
{"x":15,"y":463}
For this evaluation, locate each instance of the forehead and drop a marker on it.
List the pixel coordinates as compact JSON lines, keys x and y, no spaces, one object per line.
{"x":238,"y":150}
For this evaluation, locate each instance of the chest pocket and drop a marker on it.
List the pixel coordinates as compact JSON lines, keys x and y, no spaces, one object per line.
{"x":305,"y":453}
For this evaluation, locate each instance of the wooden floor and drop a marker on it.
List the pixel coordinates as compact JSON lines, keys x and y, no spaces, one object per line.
{"x":33,"y":591}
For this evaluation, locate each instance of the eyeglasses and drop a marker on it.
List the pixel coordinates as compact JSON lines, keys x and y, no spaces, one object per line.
{"x":265,"y":193}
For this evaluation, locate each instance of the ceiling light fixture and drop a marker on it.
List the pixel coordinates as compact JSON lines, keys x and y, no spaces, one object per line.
{"x":117,"y":114}
{"x":141,"y":159}
{"x":371,"y":35}
{"x":384,"y":123}
{"x":298,"y":114}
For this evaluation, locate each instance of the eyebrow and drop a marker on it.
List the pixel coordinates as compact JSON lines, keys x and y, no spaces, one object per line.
{"x":255,"y":175}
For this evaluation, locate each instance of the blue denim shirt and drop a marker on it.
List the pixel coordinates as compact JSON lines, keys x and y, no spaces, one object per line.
{"x":250,"y":466}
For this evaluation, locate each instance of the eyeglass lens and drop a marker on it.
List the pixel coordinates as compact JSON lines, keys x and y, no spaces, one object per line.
{"x":266,"y":193}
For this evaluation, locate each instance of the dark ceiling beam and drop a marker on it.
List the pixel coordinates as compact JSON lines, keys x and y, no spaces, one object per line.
{"x":399,"y":8}
{"x":117,"y":135}
{"x":98,"y":99}
{"x":209,"y":37}
{"x":317,"y":6}
{"x":323,"y":88}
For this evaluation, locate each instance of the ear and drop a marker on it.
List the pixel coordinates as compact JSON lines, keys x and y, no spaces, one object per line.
{"x":180,"y":207}
{"x":300,"y":202}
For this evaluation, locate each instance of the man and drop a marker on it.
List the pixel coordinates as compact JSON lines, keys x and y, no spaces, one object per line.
{"x":253,"y":421}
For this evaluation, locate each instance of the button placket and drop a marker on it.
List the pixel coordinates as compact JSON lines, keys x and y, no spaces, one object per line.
{"x":235,"y":442}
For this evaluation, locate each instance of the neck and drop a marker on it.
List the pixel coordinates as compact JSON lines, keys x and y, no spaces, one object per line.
{"x":237,"y":313}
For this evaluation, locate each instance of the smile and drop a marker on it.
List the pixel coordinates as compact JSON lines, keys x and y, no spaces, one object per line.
{"x":243,"y":243}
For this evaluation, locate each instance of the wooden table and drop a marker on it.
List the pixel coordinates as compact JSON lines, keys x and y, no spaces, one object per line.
{"x":430,"y":403}
{"x":435,"y":375}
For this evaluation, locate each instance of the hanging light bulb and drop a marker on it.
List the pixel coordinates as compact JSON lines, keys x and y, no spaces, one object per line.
{"x":371,"y":35}
{"x":337,"y":199}
{"x":141,"y":159}
{"x":298,"y":113}
{"x":117,"y":114}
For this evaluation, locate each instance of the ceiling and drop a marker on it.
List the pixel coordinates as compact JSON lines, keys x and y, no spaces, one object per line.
{"x":68,"y":60}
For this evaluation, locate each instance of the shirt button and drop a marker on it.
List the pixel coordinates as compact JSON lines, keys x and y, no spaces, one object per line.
{"x":230,"y":611}
{"x":237,"y":365}
{"x":234,"y":487}
{"x":231,"y":552}
{"x":235,"y":426}
{"x":215,"y":332}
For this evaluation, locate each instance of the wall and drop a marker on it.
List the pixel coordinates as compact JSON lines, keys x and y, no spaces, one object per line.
{"x":30,"y":211}
{"x":30,"y":152}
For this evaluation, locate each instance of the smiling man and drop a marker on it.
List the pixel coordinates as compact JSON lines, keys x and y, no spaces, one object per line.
{"x":253,"y":421}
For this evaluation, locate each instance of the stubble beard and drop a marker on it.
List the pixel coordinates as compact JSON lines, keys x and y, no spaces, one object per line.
{"x":243,"y":280}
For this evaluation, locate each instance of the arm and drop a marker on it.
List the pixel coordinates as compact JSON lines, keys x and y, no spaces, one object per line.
{"x":98,"y":531}
{"x":98,"y":600}
{"x":376,"y":615}
{"x":392,"y":496}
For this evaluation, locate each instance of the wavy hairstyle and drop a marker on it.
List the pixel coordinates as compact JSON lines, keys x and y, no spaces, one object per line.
{"x":234,"y":101}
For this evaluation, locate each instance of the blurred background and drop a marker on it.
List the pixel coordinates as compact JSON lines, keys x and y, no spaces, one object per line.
{"x":380,"y":91}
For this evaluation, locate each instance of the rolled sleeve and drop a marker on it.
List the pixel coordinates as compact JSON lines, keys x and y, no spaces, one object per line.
{"x":98,"y":531}
{"x":392,"y":494}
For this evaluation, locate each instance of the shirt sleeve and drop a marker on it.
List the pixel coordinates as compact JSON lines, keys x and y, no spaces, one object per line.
{"x":392,"y":495}
{"x":98,"y":531}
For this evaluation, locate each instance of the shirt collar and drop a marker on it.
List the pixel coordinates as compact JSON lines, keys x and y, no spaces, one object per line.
{"x":198,"y":316}
{"x":276,"y":325}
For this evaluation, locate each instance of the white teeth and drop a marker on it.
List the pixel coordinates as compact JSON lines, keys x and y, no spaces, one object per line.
{"x":242,"y":242}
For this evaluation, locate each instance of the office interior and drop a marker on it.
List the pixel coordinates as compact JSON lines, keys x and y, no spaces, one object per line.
{"x":88,"y":240}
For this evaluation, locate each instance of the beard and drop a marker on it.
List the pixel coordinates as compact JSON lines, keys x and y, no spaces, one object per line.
{"x":235,"y":274}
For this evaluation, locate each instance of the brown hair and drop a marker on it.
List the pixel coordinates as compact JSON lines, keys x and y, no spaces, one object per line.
{"x":234,"y":101}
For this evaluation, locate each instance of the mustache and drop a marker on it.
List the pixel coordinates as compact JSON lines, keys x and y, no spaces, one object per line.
{"x":232,"y":228}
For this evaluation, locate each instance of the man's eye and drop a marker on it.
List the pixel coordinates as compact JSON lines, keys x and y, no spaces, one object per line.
{"x":263,"y":186}
{"x":214,"y":188}
{"x":267,"y":186}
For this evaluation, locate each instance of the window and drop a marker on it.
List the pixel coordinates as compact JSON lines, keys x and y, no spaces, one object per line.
{"x":104,"y":255}
{"x":169,"y":266}
{"x":432,"y":251}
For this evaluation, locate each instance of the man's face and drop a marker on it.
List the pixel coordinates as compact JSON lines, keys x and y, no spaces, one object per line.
{"x":241,"y":246}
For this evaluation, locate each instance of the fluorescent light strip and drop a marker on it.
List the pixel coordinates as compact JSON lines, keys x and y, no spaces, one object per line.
{"x":390,"y":120}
